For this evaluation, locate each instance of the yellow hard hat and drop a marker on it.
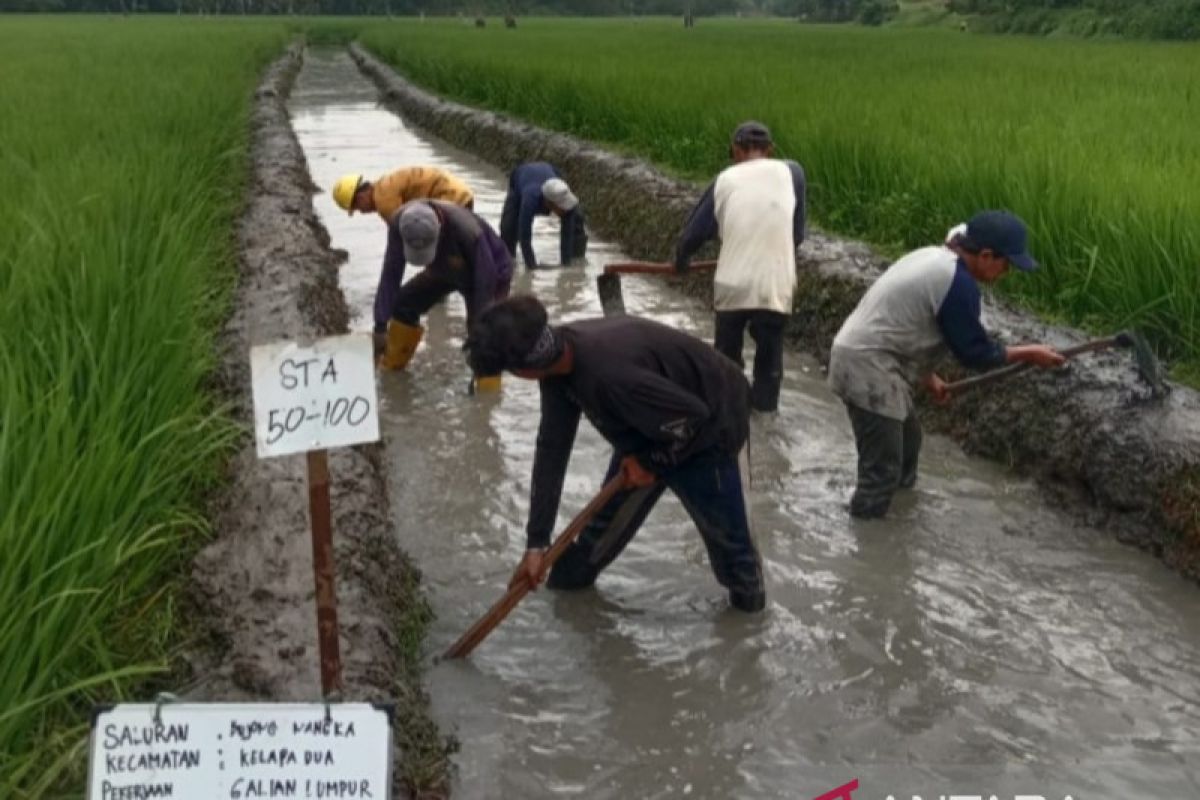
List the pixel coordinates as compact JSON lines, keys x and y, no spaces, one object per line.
{"x":345,"y":189}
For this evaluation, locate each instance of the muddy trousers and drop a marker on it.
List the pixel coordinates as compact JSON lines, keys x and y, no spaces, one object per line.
{"x":710,"y":487}
{"x":426,"y":290}
{"x":422,"y":293}
{"x":766,"y":328}
{"x":888,"y":451}
{"x":509,"y":219}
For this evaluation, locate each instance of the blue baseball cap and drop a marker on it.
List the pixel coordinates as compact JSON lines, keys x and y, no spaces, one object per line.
{"x":1004,"y":234}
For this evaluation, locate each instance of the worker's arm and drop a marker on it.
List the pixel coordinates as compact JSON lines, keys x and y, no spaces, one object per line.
{"x":531,"y":201}
{"x":390,"y":278}
{"x":555,"y":438}
{"x":701,"y":227}
{"x":672,"y":422}
{"x":958,"y":320}
{"x":800,"y":215}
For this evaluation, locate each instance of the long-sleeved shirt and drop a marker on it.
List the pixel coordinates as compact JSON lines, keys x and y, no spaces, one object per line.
{"x":526,"y":183}
{"x":650,"y":390}
{"x":417,"y":183}
{"x":412,"y":183}
{"x":923,"y":305}
{"x":470,"y":255}
{"x":758,"y":210}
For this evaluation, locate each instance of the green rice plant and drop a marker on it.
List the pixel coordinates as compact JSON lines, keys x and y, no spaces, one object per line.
{"x":123,"y":157}
{"x":903,"y":132}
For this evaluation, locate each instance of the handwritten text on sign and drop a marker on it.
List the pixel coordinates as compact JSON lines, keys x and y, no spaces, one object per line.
{"x":314,"y":397}
{"x":239,"y":751}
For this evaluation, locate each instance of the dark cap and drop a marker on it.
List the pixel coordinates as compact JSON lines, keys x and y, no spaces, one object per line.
{"x":752,"y":134}
{"x":1004,"y":234}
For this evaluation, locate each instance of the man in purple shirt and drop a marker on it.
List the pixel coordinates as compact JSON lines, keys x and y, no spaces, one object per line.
{"x":459,"y":253}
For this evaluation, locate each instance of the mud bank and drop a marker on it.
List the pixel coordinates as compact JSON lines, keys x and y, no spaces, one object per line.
{"x":252,"y":587}
{"x":1130,"y":463}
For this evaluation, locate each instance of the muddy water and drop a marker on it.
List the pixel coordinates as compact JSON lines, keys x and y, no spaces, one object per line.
{"x":976,"y":642}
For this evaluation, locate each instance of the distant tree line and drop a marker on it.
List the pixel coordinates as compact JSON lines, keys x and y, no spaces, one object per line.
{"x":868,"y":12}
{"x":1158,"y":19}
{"x":468,"y":8}
{"x":1153,"y":19}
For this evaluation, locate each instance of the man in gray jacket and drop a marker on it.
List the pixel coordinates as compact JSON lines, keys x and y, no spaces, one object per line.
{"x":925,"y":305}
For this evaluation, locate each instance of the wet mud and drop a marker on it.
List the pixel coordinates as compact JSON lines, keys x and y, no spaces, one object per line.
{"x":251,"y":590}
{"x":1090,"y":433}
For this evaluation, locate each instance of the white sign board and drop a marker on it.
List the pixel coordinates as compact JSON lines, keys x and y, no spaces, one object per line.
{"x":238,"y":751}
{"x":315,"y":396}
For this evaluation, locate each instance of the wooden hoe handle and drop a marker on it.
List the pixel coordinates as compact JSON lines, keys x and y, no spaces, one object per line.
{"x":1014,"y":369}
{"x":653,"y":267}
{"x":496,"y":614}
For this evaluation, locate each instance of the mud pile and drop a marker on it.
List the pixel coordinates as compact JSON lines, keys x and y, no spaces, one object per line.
{"x":1092,"y":430}
{"x":252,"y":586}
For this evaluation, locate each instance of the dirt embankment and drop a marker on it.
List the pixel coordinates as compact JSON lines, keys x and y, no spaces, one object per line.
{"x":1091,"y":431}
{"x":252,"y":586}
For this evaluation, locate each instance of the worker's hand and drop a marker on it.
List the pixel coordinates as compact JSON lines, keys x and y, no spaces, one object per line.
{"x":634,"y":474}
{"x":936,"y":387}
{"x":529,"y":569}
{"x":379,"y":343}
{"x":1040,"y":355}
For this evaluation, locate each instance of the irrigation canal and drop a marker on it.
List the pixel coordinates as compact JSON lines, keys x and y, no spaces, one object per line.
{"x":978,"y":641}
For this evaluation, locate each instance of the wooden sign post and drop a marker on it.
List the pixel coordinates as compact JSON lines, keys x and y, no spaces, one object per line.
{"x":307,"y":399}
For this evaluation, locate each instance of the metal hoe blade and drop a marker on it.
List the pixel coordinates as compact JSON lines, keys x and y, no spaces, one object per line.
{"x":1148,"y":366}
{"x":612,"y":301}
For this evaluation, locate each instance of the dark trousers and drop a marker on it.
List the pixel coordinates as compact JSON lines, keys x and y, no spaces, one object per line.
{"x":424,"y":291}
{"x":509,"y":219}
{"x":710,"y":488}
{"x":421,"y":293}
{"x":766,"y":328}
{"x":888,"y":450}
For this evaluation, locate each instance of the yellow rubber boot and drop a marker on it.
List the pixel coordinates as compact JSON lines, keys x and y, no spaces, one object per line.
{"x":402,"y":341}
{"x":487,"y":384}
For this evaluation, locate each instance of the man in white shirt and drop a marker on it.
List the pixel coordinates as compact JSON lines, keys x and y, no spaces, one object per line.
{"x":757,"y":209}
{"x":925,"y":306}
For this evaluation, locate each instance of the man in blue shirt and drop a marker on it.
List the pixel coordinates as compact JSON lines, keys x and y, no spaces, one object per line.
{"x":924,"y":305}
{"x":537,"y":190}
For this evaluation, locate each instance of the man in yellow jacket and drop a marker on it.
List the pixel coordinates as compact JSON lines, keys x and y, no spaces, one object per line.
{"x":385,"y":196}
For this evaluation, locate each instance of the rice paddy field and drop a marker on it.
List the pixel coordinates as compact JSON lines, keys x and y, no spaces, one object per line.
{"x":122,"y":157}
{"x":903,"y":132}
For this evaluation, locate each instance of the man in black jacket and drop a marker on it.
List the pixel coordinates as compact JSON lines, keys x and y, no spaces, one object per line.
{"x":676,"y":412}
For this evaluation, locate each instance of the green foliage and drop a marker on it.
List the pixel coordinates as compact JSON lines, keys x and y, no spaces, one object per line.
{"x":122,"y":154}
{"x":1149,"y":19}
{"x":902,"y":132}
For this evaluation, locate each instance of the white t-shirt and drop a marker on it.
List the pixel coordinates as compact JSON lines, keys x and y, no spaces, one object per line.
{"x":754,"y":203}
